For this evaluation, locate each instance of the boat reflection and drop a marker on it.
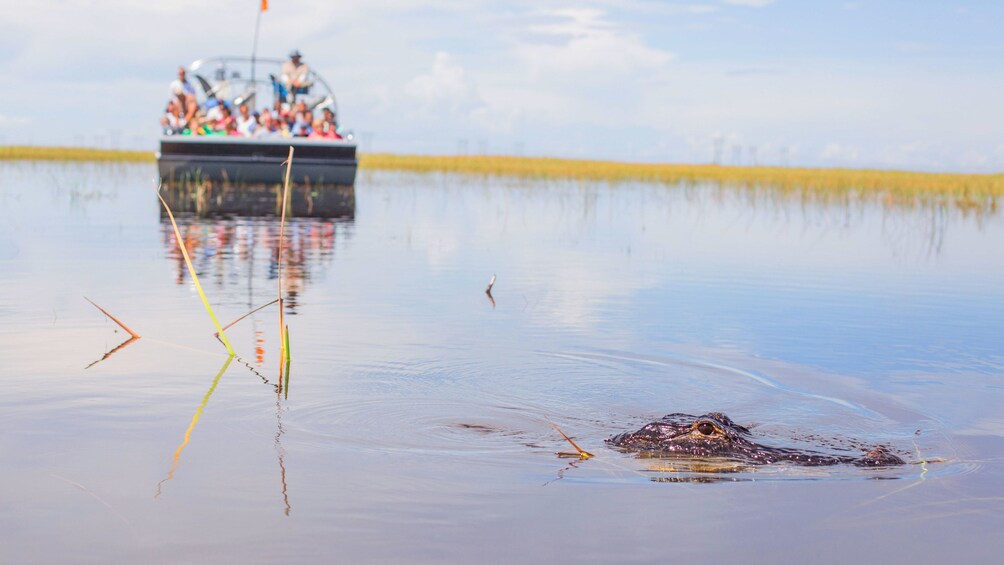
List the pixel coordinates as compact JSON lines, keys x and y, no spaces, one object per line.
{"x":241,"y":249}
{"x":206,"y":198}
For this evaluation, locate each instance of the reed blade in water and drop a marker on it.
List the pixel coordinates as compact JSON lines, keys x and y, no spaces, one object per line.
{"x":191,"y":269}
{"x":114,"y":319}
{"x":583,"y":454}
{"x":231,"y":324}
{"x":282,"y":243}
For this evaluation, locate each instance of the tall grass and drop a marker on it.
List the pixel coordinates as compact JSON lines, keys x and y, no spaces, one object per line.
{"x":33,"y":153}
{"x":960,"y":188}
{"x":963,"y":188}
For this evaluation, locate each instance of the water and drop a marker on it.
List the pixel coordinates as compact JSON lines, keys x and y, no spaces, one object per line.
{"x":414,"y":426}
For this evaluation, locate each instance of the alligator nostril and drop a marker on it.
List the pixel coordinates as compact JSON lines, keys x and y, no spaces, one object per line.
{"x":706,"y":428}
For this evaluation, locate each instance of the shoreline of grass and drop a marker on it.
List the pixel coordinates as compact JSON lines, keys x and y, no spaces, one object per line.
{"x":961,"y":186}
{"x":965,"y":187}
{"x":40,"y":153}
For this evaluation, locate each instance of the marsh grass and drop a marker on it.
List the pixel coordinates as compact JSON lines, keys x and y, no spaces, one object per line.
{"x":33,"y":153}
{"x":964,"y":190}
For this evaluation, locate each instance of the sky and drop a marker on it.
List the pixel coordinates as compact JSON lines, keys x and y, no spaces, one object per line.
{"x":892,"y":84}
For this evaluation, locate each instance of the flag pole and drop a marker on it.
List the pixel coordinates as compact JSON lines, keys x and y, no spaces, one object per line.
{"x":254,"y":47}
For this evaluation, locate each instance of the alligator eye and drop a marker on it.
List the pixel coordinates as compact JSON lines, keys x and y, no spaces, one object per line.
{"x":706,"y":428}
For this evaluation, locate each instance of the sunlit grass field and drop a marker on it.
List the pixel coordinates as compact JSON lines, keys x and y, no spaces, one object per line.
{"x":973,"y":189}
{"x":979,"y":190}
{"x":35,"y":153}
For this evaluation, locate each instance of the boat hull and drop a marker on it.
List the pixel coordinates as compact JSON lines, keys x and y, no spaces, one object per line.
{"x":254,"y":160}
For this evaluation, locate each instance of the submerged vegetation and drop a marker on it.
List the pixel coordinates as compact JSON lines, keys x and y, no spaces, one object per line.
{"x":965,"y":190}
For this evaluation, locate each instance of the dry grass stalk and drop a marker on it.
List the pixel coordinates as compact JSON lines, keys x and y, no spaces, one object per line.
{"x":114,"y":319}
{"x":228,"y":326}
{"x":582,"y":453}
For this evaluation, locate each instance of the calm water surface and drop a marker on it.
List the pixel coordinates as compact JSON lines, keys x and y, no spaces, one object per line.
{"x":414,"y":428}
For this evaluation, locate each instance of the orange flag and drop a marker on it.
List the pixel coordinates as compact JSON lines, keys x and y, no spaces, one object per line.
{"x":264,"y":5}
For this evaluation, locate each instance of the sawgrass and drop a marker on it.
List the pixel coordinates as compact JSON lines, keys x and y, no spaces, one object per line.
{"x":33,"y":153}
{"x":966,"y":189}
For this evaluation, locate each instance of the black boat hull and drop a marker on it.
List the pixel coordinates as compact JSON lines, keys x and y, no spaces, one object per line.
{"x":255,"y":160}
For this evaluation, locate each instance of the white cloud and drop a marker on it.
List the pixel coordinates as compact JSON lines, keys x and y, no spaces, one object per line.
{"x":700,"y":8}
{"x":750,"y":3}
{"x":446,"y":87}
{"x":448,"y":96}
{"x":836,"y":152}
{"x":13,"y":120}
{"x":583,"y":41}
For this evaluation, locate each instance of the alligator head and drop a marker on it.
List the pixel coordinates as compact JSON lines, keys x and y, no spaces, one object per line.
{"x":716,"y":435}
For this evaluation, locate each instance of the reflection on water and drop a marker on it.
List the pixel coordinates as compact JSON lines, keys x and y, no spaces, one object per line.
{"x":415,"y":427}
{"x":176,"y":459}
{"x":239,"y":247}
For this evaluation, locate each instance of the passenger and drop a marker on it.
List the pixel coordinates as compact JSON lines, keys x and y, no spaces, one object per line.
{"x":302,"y":120}
{"x":183,"y":93}
{"x":170,"y":123}
{"x":317,"y":130}
{"x":214,"y":109}
{"x":280,"y":111}
{"x":246,"y":123}
{"x":330,"y":124}
{"x":226,"y":120}
{"x":231,"y":129}
{"x":295,"y":76}
{"x":268,"y":127}
{"x":205,"y":126}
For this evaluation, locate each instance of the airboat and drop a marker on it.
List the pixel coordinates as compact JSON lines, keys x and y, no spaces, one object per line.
{"x":233,"y":81}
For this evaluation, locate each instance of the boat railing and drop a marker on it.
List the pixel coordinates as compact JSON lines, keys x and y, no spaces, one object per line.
{"x":242,"y":80}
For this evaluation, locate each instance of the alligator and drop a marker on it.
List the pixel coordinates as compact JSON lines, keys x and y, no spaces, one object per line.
{"x":716,"y":435}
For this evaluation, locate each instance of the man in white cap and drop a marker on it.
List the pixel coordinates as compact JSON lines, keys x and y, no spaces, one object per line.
{"x":294,"y":75}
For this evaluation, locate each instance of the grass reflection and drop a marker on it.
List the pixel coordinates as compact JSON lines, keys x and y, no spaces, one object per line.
{"x":114,"y":350}
{"x":191,"y":426}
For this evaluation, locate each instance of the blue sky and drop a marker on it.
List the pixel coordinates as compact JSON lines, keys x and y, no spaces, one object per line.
{"x":866,"y":83}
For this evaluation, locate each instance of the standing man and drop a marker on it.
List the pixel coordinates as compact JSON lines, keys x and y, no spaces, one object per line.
{"x":294,"y":76}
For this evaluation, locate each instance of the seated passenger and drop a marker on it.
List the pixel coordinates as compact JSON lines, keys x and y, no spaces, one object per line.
{"x":231,"y":129}
{"x":331,"y":124}
{"x":183,"y":93}
{"x":171,"y":122}
{"x":317,"y":130}
{"x":294,"y":78}
{"x":225,"y":121}
{"x":302,"y":120}
{"x":246,"y":123}
{"x":214,"y":110}
{"x":268,"y":127}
